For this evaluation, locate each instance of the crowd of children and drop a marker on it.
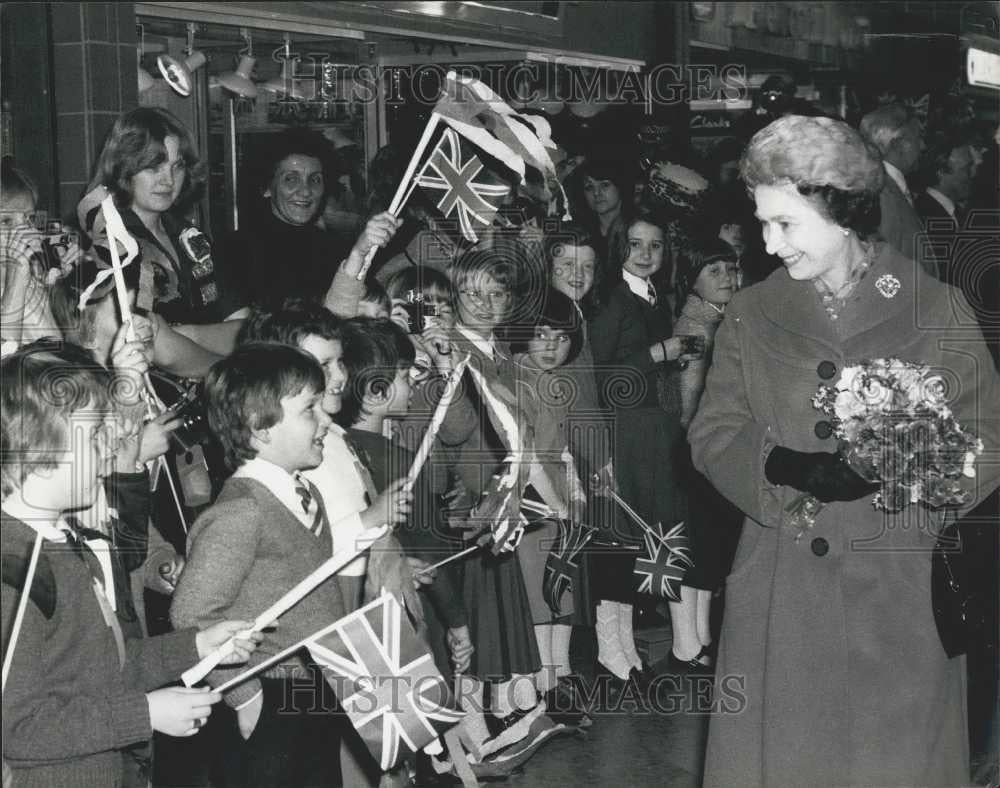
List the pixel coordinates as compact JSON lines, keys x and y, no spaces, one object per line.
{"x":317,"y":409}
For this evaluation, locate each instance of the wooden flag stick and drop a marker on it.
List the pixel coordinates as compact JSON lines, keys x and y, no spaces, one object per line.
{"x":113,"y":221}
{"x":427,"y":443}
{"x":638,"y":519}
{"x":253,"y":671}
{"x":328,"y":568}
{"x":397,"y":200}
{"x":22,"y":604}
{"x":450,"y":558}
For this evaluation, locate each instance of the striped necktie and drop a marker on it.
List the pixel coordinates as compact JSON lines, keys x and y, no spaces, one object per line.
{"x":310,"y":503}
{"x":650,"y":293}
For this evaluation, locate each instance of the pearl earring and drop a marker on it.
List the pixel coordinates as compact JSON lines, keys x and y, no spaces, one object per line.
{"x":845,"y":231}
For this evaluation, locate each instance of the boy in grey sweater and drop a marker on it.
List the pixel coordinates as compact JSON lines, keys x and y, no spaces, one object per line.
{"x":266,"y":531}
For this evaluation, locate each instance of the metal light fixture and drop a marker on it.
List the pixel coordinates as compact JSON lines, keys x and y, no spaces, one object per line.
{"x":238,"y":81}
{"x":285,"y":84}
{"x":146,"y":80}
{"x":179,"y":73}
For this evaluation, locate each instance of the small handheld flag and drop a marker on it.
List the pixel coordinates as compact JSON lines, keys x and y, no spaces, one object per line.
{"x":386,"y":680}
{"x":458,"y":182}
{"x":561,"y":567}
{"x":662,"y":569}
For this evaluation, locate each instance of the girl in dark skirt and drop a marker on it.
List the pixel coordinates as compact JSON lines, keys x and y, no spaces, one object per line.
{"x":636,"y":367}
{"x":545,"y":342}
{"x":498,"y":608}
{"x":707,"y":278}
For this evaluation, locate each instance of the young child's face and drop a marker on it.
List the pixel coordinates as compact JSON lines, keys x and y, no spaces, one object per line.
{"x":646,"y":249}
{"x":573,"y":270}
{"x":329,"y":353}
{"x":483,"y":303}
{"x":296,"y":442}
{"x":16,"y":210}
{"x":89,"y":444}
{"x":371,"y":309}
{"x":398,"y":396}
{"x":717,"y":281}
{"x":549,"y":348}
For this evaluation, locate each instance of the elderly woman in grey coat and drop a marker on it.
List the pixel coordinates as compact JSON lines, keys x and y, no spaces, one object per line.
{"x":833,"y":667}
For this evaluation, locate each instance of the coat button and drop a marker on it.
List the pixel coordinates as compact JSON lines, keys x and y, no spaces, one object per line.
{"x":820,"y":546}
{"x":826,"y":369}
{"x":823,"y":429}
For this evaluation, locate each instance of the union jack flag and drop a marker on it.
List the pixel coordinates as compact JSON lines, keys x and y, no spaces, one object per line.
{"x":386,"y":680}
{"x":561,"y":567}
{"x":661,"y":570}
{"x":453,"y":172}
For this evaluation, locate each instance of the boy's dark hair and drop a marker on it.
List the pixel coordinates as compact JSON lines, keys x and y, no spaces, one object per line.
{"x":423,"y":280}
{"x":15,"y":182}
{"x":243,"y":392}
{"x":376,"y":294}
{"x":43,"y":383}
{"x":296,"y":319}
{"x":558,"y":312}
{"x":375,"y":349}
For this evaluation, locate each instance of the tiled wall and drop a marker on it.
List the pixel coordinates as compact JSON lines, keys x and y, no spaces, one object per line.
{"x":94,"y":79}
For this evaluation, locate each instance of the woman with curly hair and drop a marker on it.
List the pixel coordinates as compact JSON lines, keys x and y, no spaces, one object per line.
{"x":830,"y":667}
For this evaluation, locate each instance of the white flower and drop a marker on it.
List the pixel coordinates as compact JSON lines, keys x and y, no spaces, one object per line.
{"x":848,"y":405}
{"x":968,"y":465}
{"x":876,"y":394}
{"x":848,"y":378}
{"x":933,"y":390}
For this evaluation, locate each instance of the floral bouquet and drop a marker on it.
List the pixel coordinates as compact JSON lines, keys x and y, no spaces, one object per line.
{"x":894,"y":427}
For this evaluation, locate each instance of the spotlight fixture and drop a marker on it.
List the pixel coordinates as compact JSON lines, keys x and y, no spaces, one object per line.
{"x":238,"y":81}
{"x":285,"y":84}
{"x":146,"y":80}
{"x":179,"y":73}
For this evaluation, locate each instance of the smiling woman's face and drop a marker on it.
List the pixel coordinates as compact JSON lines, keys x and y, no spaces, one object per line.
{"x":296,"y":189}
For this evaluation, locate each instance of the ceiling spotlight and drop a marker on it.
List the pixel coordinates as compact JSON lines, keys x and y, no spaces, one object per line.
{"x":179,"y":73}
{"x":238,"y":81}
{"x":146,"y":80}
{"x":285,"y":84}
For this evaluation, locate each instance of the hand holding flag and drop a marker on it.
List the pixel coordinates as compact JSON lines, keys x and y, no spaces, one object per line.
{"x":482,"y":118}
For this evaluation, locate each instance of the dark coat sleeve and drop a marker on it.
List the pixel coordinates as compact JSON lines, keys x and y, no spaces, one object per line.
{"x":613,"y":338}
{"x":727,"y":444}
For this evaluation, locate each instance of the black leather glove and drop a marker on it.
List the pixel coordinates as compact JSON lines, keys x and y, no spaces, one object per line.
{"x":822,"y":474}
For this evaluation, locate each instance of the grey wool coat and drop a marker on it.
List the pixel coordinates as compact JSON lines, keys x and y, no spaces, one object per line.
{"x":829,"y":657}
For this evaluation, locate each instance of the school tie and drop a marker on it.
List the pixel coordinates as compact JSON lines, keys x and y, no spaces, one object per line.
{"x":650,"y":293}
{"x":310,"y":503}
{"x":77,"y":543}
